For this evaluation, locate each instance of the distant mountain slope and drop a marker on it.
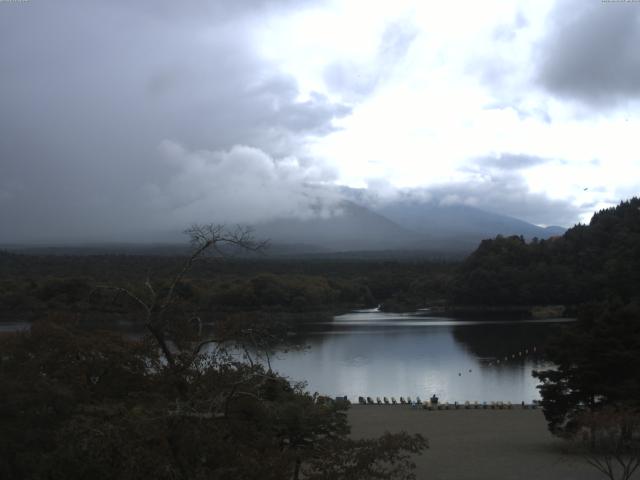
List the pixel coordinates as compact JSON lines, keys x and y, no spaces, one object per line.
{"x":352,"y":227}
{"x":141,"y":248}
{"x":460,"y":221}
{"x":401,"y":225}
{"x":554,"y":231}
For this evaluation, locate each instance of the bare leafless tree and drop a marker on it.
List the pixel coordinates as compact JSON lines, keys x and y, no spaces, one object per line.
{"x":206,"y":239}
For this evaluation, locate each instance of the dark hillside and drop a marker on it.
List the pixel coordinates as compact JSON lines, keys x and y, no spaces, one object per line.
{"x":589,"y":262}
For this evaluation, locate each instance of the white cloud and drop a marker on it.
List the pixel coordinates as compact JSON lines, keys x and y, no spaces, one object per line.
{"x":403,"y":94}
{"x":468,"y":88}
{"x":239,"y":185}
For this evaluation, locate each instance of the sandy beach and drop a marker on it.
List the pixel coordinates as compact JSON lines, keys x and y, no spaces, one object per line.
{"x":477,"y":444}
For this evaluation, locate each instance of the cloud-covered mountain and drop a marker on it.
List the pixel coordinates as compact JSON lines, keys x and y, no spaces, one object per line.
{"x":426,"y":228}
{"x":347,"y":227}
{"x":400,"y":225}
{"x":460,"y":221}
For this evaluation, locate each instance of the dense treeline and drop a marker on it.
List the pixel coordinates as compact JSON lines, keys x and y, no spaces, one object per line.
{"x":597,"y":365}
{"x":31,"y":285}
{"x":589,"y":262}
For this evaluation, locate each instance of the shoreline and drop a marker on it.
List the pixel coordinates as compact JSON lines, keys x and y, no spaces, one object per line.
{"x":467,"y":405}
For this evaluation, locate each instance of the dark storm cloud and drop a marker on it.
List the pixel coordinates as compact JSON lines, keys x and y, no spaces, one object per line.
{"x":204,"y":10}
{"x":282,"y":110}
{"x":90,"y":92}
{"x":591,"y":52}
{"x":354,"y":80}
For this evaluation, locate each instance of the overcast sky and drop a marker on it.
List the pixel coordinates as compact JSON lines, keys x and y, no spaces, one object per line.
{"x":120,"y":120}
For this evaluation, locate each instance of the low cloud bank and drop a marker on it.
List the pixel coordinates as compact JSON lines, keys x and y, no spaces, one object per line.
{"x":240,"y":185}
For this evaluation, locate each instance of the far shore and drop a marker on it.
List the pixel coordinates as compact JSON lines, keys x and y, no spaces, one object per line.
{"x":538,"y":312}
{"x":477,"y":444}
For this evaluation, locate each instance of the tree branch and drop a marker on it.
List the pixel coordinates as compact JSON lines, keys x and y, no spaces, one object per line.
{"x":127,"y":292}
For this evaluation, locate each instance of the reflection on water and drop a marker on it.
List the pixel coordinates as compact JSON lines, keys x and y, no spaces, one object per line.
{"x":14,"y":326}
{"x":387,"y":354}
{"x":372,"y":353}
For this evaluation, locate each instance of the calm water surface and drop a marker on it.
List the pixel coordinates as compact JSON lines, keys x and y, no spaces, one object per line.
{"x":371,"y":353}
{"x":389,"y":354}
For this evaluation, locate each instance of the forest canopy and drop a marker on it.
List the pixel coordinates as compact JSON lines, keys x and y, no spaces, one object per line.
{"x":597,"y":261}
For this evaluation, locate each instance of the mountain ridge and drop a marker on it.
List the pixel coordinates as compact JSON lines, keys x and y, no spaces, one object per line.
{"x":352,"y":226}
{"x":356,"y":226}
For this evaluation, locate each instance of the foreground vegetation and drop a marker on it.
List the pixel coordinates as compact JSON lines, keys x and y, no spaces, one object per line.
{"x":77,"y":405}
{"x":177,"y":404}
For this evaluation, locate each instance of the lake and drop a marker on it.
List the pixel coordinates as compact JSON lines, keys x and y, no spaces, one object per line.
{"x":371,"y":353}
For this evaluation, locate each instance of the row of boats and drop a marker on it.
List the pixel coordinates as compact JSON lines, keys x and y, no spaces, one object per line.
{"x":434,"y":405}
{"x":385,"y":401}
